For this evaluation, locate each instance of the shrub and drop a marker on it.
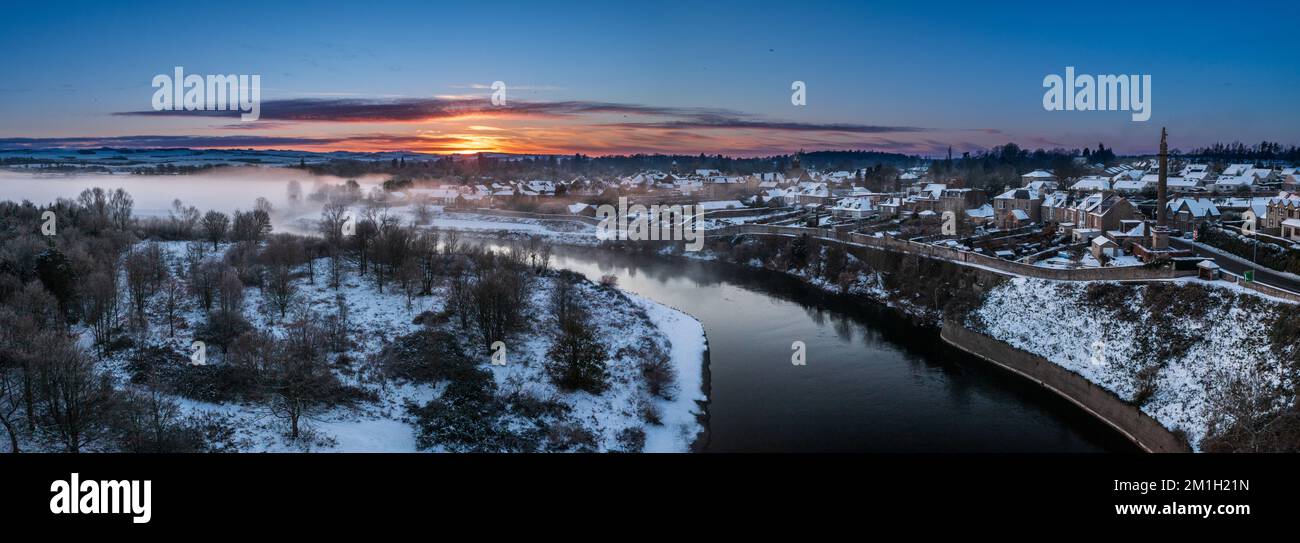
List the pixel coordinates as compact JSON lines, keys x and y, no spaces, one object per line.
{"x":426,"y":356}
{"x":632,"y":439}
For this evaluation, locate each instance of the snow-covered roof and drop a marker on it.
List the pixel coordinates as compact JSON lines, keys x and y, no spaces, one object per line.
{"x":1133,"y":186}
{"x":982,"y":212}
{"x":1018,"y":194}
{"x":721,"y":204}
{"x":1091,"y":182}
{"x":1234,"y":180}
{"x":1199,"y":207}
{"x":855,"y":204}
{"x":1237,"y":169}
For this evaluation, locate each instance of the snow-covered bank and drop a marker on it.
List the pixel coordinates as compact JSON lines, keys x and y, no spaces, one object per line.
{"x":681,"y":415}
{"x":630,"y":413}
{"x":1183,"y":352}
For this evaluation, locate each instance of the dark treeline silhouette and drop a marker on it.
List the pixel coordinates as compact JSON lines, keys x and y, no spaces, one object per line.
{"x":1003,"y":165}
{"x":1264,"y":151}
{"x":556,"y":166}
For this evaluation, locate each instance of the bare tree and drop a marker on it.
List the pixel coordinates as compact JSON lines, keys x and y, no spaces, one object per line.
{"x":497,"y":299}
{"x":451,"y":242}
{"x":119,"y":209}
{"x":75,"y":399}
{"x":184,"y":219}
{"x":459,"y":297}
{"x":172,"y":292}
{"x":295,"y":373}
{"x":137,"y":284}
{"x":215,"y":224}
{"x":230,"y":292}
{"x":11,"y":401}
{"x":423,"y":211}
{"x":333,"y":221}
{"x":150,"y":422}
{"x":424,"y":249}
{"x":204,"y":279}
{"x":100,"y":304}
{"x":408,"y":277}
{"x":280,"y":289}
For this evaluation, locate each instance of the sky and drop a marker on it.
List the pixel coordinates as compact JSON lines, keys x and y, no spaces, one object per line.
{"x":655,"y":77}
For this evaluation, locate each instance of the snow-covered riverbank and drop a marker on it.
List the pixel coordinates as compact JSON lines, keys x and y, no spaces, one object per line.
{"x":1185,"y":353}
{"x":632,"y":329}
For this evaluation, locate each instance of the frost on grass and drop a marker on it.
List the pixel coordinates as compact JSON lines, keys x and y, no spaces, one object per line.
{"x":1204,"y":360}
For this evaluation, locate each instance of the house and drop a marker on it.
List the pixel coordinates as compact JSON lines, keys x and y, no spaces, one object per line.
{"x":959,"y":200}
{"x":1036,"y":175}
{"x":1056,"y":208}
{"x":1233,"y":183}
{"x":1130,"y":232}
{"x":1291,"y":229}
{"x":1132,"y":187}
{"x":1013,"y":218}
{"x":854,"y":208}
{"x":1042,"y":186}
{"x":1207,"y":270}
{"x":1091,"y":183}
{"x":441,"y":195}
{"x":980,"y":215}
{"x":1234,"y":170}
{"x":890,"y":207}
{"x":1291,"y":182}
{"x":773,"y":196}
{"x":1179,"y":185}
{"x":810,"y":193}
{"x":1101,"y":212}
{"x":1187,"y":214}
{"x":1104,"y":249}
{"x":1026,"y":200}
{"x":1285,"y":207}
{"x":1262,"y":175}
{"x":719,"y":205}
{"x":579,"y":208}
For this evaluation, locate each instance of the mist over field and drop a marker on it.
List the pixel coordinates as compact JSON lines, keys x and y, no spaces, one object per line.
{"x":224,"y":190}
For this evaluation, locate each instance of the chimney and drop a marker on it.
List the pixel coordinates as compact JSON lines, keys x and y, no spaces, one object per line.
{"x":1162,"y":187}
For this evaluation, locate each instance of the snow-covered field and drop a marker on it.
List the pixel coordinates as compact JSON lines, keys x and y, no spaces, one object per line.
{"x":1118,"y":345}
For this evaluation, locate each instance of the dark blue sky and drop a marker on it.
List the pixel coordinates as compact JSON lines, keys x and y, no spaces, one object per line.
{"x":690,"y":76}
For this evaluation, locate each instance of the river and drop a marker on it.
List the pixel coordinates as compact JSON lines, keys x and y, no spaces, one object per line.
{"x":872,"y":381}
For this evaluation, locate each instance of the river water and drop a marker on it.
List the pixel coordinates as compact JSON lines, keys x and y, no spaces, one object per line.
{"x":871,"y":380}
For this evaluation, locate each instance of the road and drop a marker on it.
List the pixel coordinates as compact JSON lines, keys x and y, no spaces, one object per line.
{"x":1262,"y":274}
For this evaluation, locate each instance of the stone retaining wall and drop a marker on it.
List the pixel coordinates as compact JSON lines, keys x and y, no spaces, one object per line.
{"x":1130,"y":421}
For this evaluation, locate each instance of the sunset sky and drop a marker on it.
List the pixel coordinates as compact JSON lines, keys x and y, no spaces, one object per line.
{"x":616,"y":77}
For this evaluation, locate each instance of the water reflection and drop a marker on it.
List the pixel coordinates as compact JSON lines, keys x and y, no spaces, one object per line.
{"x":873,"y":381}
